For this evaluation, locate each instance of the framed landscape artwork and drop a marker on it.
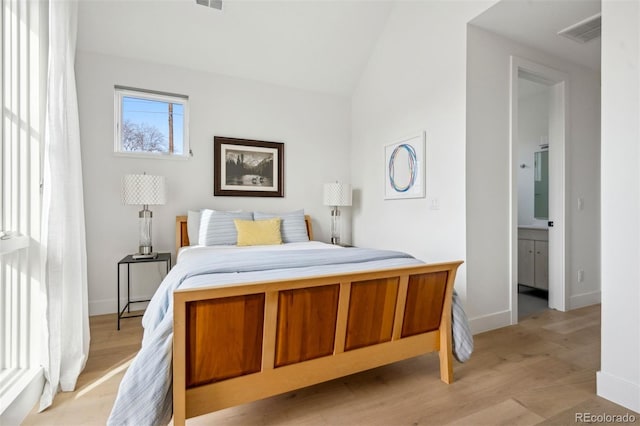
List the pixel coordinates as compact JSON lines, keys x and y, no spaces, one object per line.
{"x":247,"y":168}
{"x":405,"y":168}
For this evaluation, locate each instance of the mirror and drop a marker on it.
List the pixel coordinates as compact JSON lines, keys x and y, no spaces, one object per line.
{"x":541,"y":185}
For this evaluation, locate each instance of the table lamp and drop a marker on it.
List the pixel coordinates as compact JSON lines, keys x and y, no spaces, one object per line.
{"x":145,"y":190}
{"x":335,"y":195}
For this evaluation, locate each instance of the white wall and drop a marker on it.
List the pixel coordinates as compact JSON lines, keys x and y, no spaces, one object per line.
{"x":487,"y":177}
{"x":533,"y":129}
{"x":314,"y":127}
{"x":619,"y":375}
{"x":415,"y":80}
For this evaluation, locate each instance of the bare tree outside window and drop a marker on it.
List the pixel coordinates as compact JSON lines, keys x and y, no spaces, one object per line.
{"x":142,"y":137}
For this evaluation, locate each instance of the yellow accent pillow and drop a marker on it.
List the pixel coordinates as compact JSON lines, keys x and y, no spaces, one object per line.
{"x":258,"y":232}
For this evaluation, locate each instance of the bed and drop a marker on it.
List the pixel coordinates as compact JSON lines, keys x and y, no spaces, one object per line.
{"x":236,"y":331}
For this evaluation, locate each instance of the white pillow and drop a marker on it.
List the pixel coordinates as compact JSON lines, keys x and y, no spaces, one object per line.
{"x":293,"y":226}
{"x":193,"y":227}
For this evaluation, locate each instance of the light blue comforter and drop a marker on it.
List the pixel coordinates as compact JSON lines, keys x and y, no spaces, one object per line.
{"x":145,"y":394}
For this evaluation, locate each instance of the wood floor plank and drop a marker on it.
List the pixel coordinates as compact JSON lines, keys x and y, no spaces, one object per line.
{"x":552,"y":400}
{"x":508,"y":413}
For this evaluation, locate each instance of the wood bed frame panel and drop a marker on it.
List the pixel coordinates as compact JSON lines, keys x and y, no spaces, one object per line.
{"x":376,"y":312}
{"x":372,"y":306}
{"x":306,"y":324}
{"x":232,"y":324}
{"x":425,"y":297}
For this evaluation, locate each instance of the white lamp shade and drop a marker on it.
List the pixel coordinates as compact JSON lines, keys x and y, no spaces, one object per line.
{"x":337,"y":194}
{"x":143,"y":189}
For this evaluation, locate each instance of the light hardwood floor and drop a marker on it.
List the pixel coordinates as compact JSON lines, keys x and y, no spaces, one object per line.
{"x":541,"y":371}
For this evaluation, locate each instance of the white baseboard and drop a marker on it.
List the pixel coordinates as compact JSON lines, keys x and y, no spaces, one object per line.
{"x":490,"y":322}
{"x":618,"y":390}
{"x":108,"y":306}
{"x":101,"y":307}
{"x":585,"y":299}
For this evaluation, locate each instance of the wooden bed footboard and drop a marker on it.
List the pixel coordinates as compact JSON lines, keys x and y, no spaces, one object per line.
{"x":238,"y":344}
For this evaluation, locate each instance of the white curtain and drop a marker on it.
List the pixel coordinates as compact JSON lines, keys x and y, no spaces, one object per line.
{"x":66,"y":340}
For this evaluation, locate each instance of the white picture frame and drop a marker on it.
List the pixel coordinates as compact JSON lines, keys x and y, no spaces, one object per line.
{"x":404,"y":162}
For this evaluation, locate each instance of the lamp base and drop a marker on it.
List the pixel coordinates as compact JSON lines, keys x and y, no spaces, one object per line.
{"x":335,"y":225}
{"x":152,"y":255}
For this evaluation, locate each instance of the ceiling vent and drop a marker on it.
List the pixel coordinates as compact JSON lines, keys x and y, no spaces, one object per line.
{"x":584,"y":31}
{"x":215,"y":4}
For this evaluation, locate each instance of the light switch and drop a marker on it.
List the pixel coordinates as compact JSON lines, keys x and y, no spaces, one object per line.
{"x":434,"y":203}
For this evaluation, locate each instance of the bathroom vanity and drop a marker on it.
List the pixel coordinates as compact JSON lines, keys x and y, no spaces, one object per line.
{"x":533,"y":256}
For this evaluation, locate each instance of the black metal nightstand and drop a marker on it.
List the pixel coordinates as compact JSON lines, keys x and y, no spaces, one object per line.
{"x":128,"y":260}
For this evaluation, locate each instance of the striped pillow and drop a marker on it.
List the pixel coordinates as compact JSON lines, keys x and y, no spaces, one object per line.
{"x":293,"y":226}
{"x":217,"y":228}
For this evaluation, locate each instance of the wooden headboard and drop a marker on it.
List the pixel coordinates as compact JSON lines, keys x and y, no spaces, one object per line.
{"x":182,"y":236}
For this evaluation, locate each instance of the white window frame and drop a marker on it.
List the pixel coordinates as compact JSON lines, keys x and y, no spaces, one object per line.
{"x":120,"y":92}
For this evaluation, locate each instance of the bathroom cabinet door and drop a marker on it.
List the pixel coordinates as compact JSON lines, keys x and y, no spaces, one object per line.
{"x":526,"y":262}
{"x":533,"y":263}
{"x":541,"y":265}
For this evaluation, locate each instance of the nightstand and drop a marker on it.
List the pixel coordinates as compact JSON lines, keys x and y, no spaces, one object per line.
{"x":128,"y":260}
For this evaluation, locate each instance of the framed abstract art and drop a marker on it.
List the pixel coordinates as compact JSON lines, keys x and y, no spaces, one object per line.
{"x":405,"y":168}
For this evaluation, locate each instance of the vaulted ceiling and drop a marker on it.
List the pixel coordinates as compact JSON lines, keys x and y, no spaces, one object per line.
{"x":319,"y":45}
{"x":315,"y":45}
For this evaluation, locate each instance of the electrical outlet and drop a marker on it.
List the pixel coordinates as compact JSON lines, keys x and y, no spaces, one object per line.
{"x":580,"y":275}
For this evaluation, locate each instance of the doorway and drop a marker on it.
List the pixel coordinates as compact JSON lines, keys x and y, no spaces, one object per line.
{"x":533,"y":195}
{"x":537,"y":229}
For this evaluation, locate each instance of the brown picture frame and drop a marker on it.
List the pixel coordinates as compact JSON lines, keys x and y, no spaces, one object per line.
{"x":247,"y":168}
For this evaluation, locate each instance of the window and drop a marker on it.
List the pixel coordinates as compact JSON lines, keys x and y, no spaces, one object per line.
{"x":23,"y":67}
{"x":151,"y":123}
